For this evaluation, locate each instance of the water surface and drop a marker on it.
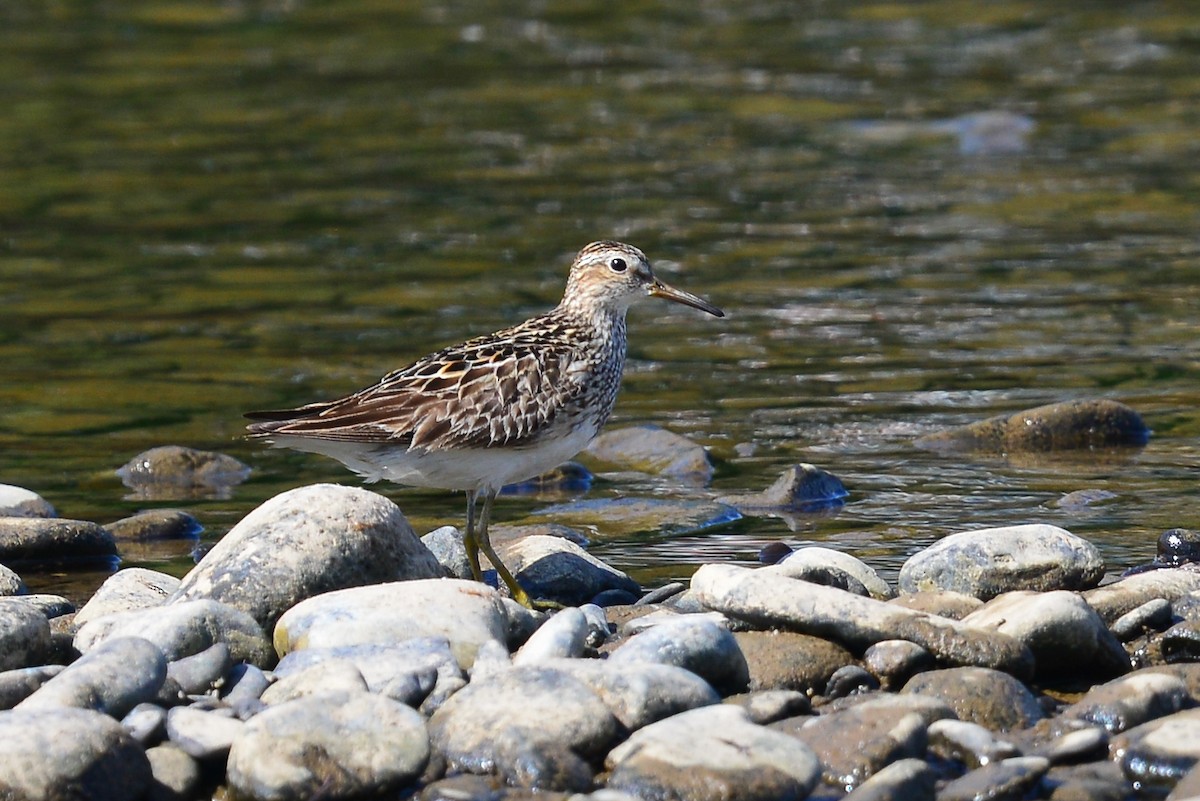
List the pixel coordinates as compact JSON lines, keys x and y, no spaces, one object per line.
{"x":916,"y":215}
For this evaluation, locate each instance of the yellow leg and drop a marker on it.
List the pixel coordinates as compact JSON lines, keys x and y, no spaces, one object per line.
{"x":469,"y":540}
{"x":485,"y":544}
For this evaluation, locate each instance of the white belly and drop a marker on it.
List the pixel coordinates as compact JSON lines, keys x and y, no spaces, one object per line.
{"x":473,"y":469}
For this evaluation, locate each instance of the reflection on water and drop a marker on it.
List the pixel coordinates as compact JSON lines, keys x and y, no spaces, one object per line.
{"x":209,"y":208}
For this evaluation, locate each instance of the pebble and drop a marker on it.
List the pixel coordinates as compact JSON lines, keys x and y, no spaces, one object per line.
{"x":200,"y":734}
{"x":784,"y":660}
{"x":11,"y":583}
{"x":66,"y":753}
{"x":1116,"y":599}
{"x":305,"y":542}
{"x":383,"y":664}
{"x":176,"y":775}
{"x":329,"y":676}
{"x":807,"y":564}
{"x":638,"y":695}
{"x":711,"y":754}
{"x":987,"y":562}
{"x":1008,"y":778}
{"x":654,"y":450}
{"x":199,"y":673}
{"x":367,"y":745}
{"x":980,"y":695}
{"x":903,"y":780}
{"x":562,"y":635}
{"x":20,"y":502}
{"x":18,"y":684}
{"x":694,"y":643}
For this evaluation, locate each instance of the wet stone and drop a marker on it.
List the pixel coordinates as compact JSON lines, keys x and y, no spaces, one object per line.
{"x":1071,"y":425}
{"x":654,"y":450}
{"x":1156,"y":755}
{"x":1007,"y":779}
{"x":556,"y":569}
{"x":1113,"y":600}
{"x":695,"y":644}
{"x":25,"y":639}
{"x":987,"y":562}
{"x":989,"y":698}
{"x":850,"y":680}
{"x":1094,"y":781}
{"x":534,"y":726}
{"x":156,"y":471}
{"x":712,"y":753}
{"x":156,"y":524}
{"x":1151,"y":616}
{"x":767,"y":706}
{"x":54,"y":541}
{"x":1079,"y":745}
{"x":128,"y":590}
{"x":21,"y":502}
{"x":855,"y":743}
{"x":64,"y":753}
{"x":969,"y":743}
{"x":818,"y":565}
{"x":305,"y":542}
{"x":1130,"y":701}
{"x":802,"y":488}
{"x":630,"y":516}
{"x":112,"y":678}
{"x":1178,"y":546}
{"x":465,"y":612}
{"x":783,"y":660}
{"x":894,"y":662}
{"x":903,"y":780}
{"x":1066,"y":635}
{"x":368,"y":745}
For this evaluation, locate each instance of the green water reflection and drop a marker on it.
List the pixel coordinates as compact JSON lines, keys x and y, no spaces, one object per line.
{"x":211,"y":207}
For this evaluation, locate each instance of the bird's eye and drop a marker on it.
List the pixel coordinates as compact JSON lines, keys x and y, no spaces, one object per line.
{"x":617,"y":265}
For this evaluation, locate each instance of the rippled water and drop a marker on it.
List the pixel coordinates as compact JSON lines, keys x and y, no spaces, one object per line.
{"x":916,"y":215}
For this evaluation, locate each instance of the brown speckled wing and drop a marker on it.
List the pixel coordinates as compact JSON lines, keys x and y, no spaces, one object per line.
{"x":495,"y":391}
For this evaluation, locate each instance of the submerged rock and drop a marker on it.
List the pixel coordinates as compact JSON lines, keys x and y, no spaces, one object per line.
{"x":556,"y":569}
{"x":156,"y":524}
{"x":172,"y":471}
{"x":1071,"y":425}
{"x":654,"y":450}
{"x":801,"y":488}
{"x":662,"y":516}
{"x":54,"y":540}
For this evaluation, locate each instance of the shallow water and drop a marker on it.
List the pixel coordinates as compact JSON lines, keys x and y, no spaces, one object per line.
{"x":916,"y":215}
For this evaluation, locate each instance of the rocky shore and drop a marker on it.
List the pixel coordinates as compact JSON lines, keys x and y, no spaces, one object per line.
{"x":323,"y":650}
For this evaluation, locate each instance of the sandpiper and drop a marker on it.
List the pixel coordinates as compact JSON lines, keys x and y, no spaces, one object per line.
{"x":493,"y":410}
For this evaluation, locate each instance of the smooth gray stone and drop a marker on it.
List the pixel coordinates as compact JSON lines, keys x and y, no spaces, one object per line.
{"x":20,"y":502}
{"x":599,"y":629}
{"x":785,"y":660}
{"x":1008,"y":778}
{"x":855,"y":743}
{"x":128,"y":590}
{"x":113,"y":678}
{"x":64,"y":753}
{"x":146,"y":722}
{"x":698,"y":645}
{"x":201,"y":734}
{"x":802,"y":564}
{"x":1066,"y":635}
{"x":1158,"y":753}
{"x":411,"y":689}
{"x":1087,"y":424}
{"x":969,"y":743}
{"x":465,"y":612}
{"x":655,"y":450}
{"x":55,"y":539}
{"x":11,"y":583}
{"x":176,"y":774}
{"x":25,"y":639}
{"x":380,"y":665}
{"x":850,"y":680}
{"x":802,"y":487}
{"x":987,"y":562}
{"x":200,"y":672}
{"x":903,"y":780}
{"x":306,"y":542}
{"x":51,"y":606}
{"x":894,"y":662}
{"x":324,"y":678}
{"x":988,"y":697}
{"x":446,"y":545}
{"x":172,"y":466}
{"x":245,"y":682}
{"x":1075,"y":746}
{"x":559,"y":570}
{"x":662,"y":593}
{"x":640,"y":694}
{"x":18,"y":684}
{"x":1130,"y":701}
{"x":183,"y":629}
{"x":769,"y":601}
{"x":1113,"y":600}
{"x":564,"y":634}
{"x":711,"y":754}
{"x":535,"y":726}
{"x":1153,"y":615}
{"x":369,"y":746}
{"x":493,"y":657}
